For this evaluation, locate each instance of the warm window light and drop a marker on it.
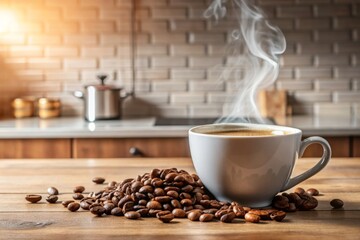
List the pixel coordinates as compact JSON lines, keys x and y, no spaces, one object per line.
{"x":7,"y":18}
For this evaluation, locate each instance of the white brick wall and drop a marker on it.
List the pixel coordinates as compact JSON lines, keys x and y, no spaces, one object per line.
{"x":57,"y":46}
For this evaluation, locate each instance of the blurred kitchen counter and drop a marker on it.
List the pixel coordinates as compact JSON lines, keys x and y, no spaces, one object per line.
{"x":77,"y":127}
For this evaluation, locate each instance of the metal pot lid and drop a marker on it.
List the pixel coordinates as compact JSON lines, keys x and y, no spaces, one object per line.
{"x":103,"y":86}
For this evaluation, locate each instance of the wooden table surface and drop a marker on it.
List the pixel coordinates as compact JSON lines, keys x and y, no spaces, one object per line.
{"x":22,"y":220}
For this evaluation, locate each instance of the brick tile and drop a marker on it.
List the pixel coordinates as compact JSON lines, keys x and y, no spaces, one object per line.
{"x":319,"y":23}
{"x":217,"y":49}
{"x":30,"y":75}
{"x":196,"y":13}
{"x":57,"y":27}
{"x":206,"y":86}
{"x":97,"y":51}
{"x":89,"y":76}
{"x":154,"y":98}
{"x":283,"y":24}
{"x":205,"y":61}
{"x":332,"y":109}
{"x":44,"y":87}
{"x":334,"y":36}
{"x":348,"y":72}
{"x":26,"y":51}
{"x":97,"y":3}
{"x":347,"y":23}
{"x":12,"y":38}
{"x":189,"y":98}
{"x":298,"y":36}
{"x":43,"y":39}
{"x":315,"y":48}
{"x":191,"y":3}
{"x":302,"y":108}
{"x":349,"y":96}
{"x":168,"y":38}
{"x":205,"y":111}
{"x":171,"y":111}
{"x":187,"y":25}
{"x":42,"y":13}
{"x":123,"y":51}
{"x":15,"y":63}
{"x":308,"y":72}
{"x":142,"y":38}
{"x":207,"y":38}
{"x":123,"y":3}
{"x":348,"y":47}
{"x":152,"y":74}
{"x":61,"y":75}
{"x":114,"y":13}
{"x":151,"y":3}
{"x":332,"y":85}
{"x":168,"y":62}
{"x":333,"y":10}
{"x":168,"y":86}
{"x":44,"y":63}
{"x":80,"y":14}
{"x":297,"y":60}
{"x":114,"y":39}
{"x":286,"y":73}
{"x":216,"y":97}
{"x":154,"y":26}
{"x":222,"y":26}
{"x":79,"y":63}
{"x":97,"y":27}
{"x":275,"y":2}
{"x":187,"y":49}
{"x":58,"y":51}
{"x":169,"y":13}
{"x":294,"y":11}
{"x":295,"y":85}
{"x":115,"y":62}
{"x":62,"y":3}
{"x":152,"y":49}
{"x":334,"y":60}
{"x":186,"y":73}
{"x":303,"y":96}
{"x":355,"y":84}
{"x":80,"y":39}
{"x":142,"y":13}
{"x":123,"y":26}
{"x":26,"y":27}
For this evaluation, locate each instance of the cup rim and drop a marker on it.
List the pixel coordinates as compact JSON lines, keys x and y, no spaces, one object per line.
{"x":289,"y":130}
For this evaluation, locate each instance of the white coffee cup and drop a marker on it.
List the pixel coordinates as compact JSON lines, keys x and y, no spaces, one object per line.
{"x":250,"y":169}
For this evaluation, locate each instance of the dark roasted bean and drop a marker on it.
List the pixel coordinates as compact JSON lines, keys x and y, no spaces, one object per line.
{"x":299,"y":190}
{"x":280,"y":202}
{"x":278,"y":215}
{"x":33,"y":198}
{"x":143,"y":212}
{"x":108,"y":207}
{"x":163,"y":199}
{"x":312,"y":192}
{"x":253,"y":218}
{"x":53,"y":191}
{"x":173,"y":194}
{"x":146,"y":189}
{"x":135,"y":186}
{"x":77,"y":196}
{"x":206,"y":217}
{"x":142,"y":202}
{"x":175,"y":203}
{"x":239,"y":211}
{"x":309,"y":202}
{"x":179,"y":213}
{"x":159,"y":192}
{"x":186,"y":202}
{"x":210,"y":211}
{"x":79,"y":189}
{"x":170,"y":177}
{"x":155,"y":173}
{"x":228,"y":217}
{"x":85,"y":205}
{"x":165,"y":216}
{"x":337,"y":203}
{"x":125,"y":199}
{"x":154,"y":205}
{"x":167,"y":206}
{"x":194,"y":215}
{"x":98,"y":180}
{"x":52,"y":198}
{"x":67,"y":202}
{"x":153,"y":212}
{"x":128,"y":206}
{"x":116,"y":211}
{"x":97,"y":210}
{"x":73,"y":207}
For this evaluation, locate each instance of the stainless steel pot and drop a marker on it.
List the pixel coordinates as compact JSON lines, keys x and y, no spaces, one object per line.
{"x":102,"y":101}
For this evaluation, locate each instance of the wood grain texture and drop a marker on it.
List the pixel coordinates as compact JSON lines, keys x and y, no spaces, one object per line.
{"x":22,"y":220}
{"x":35,"y":148}
{"x":118,"y":147}
{"x":356,"y":147}
{"x":340,"y":147}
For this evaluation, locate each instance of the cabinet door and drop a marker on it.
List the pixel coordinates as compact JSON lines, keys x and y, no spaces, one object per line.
{"x":356,"y":147}
{"x":35,"y":148}
{"x":340,"y":147}
{"x":130,"y":147}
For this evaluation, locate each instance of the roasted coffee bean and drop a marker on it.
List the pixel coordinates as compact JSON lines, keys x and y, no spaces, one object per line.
{"x":79,"y":189}
{"x":67,"y":202}
{"x":123,"y":200}
{"x":128,"y":206}
{"x":171,"y":188}
{"x":206,"y":217}
{"x":153,"y":212}
{"x":77,"y":196}
{"x":292,"y":208}
{"x":155,"y":173}
{"x":228,"y":217}
{"x":312,"y":192}
{"x":159,"y":192}
{"x":295,"y":198}
{"x":263,"y":214}
{"x":143,"y":212}
{"x":337,"y":203}
{"x":239,"y":211}
{"x":299,"y":190}
{"x":280,"y":202}
{"x":146,"y":189}
{"x":175,"y":203}
{"x":309,"y":202}
{"x":52,"y":198}
{"x":53,"y":191}
{"x":98,"y":180}
{"x":116,"y":211}
{"x":188,"y":208}
{"x":210,"y":211}
{"x":112,"y":184}
{"x":154,"y":205}
{"x":163,"y":199}
{"x":157,"y":182}
{"x":194,"y":215}
{"x":186,"y":202}
{"x":184,"y":195}
{"x":108,"y":207}
{"x":220,"y":213}
{"x":198,"y":206}
{"x":135,"y":186}
{"x":179,"y":213}
{"x":33,"y":198}
{"x":170,"y":177}
{"x":278,"y":215}
{"x":97,"y":210}
{"x":165,"y":216}
{"x":188,"y":188}
{"x":142,"y":202}
{"x":132,"y":215}
{"x":172,"y":194}
{"x":85,"y":205}
{"x":73,"y":207}
{"x":253,"y":218}
{"x":167,"y":206}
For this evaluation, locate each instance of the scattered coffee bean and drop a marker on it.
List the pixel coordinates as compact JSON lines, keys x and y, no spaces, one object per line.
{"x":228,"y":217}
{"x":97,"y":210}
{"x":179,"y":213}
{"x":79,"y":189}
{"x":312,"y":192}
{"x":73,"y":207}
{"x":165,"y":216}
{"x":53,"y":191}
{"x":206,"y":217}
{"x":194,"y":215}
{"x":33,"y":198}
{"x":337,"y":203}
{"x":253,"y":218}
{"x":67,"y":202}
{"x":132,"y":215}
{"x":116,"y":211}
{"x":52,"y":198}
{"x":98,"y":180}
{"x":299,"y":190}
{"x":278,"y":215}
{"x":77,"y":196}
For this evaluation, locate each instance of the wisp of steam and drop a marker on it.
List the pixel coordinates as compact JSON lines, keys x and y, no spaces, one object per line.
{"x":255,"y":46}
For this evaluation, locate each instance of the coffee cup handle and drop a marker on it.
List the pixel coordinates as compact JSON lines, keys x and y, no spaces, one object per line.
{"x":320,"y":165}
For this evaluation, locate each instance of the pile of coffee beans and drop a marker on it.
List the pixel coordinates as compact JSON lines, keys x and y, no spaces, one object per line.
{"x":170,"y":193}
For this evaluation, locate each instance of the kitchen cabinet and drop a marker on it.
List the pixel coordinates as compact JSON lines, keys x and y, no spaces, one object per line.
{"x":35,"y":148}
{"x":340,"y":147}
{"x":130,"y":147}
{"x":356,"y":147}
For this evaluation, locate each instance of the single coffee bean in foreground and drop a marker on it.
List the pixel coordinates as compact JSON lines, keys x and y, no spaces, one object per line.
{"x":132,"y":215}
{"x":97,"y":210}
{"x":337,"y":203}
{"x":79,"y":189}
{"x":73,"y":207}
{"x":53,"y":191}
{"x":33,"y":198}
{"x":165,"y":216}
{"x":67,"y":202}
{"x":78,"y":196}
{"x":277,"y":215}
{"x":312,"y":192}
{"x":98,"y":180}
{"x":253,"y":218}
{"x":52,"y":198}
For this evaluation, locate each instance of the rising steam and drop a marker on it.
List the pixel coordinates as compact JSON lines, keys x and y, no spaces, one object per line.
{"x":256,"y":46}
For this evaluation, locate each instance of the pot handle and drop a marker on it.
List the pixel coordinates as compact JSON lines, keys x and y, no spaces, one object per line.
{"x":78,"y":94}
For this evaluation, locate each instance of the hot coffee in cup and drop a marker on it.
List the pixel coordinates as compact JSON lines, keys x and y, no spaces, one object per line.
{"x":250,"y":163}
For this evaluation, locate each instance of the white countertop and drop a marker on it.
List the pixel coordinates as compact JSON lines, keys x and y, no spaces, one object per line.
{"x":76,"y":127}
